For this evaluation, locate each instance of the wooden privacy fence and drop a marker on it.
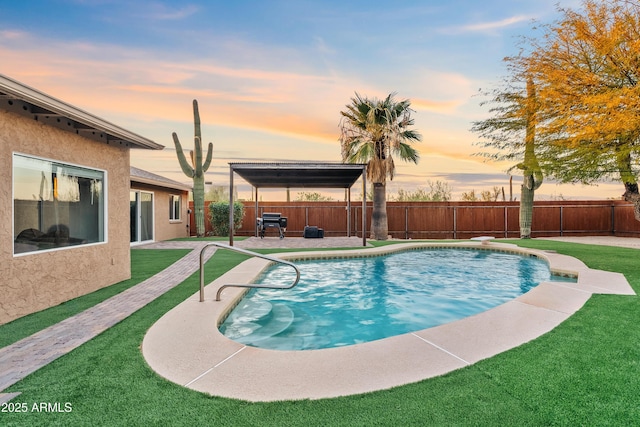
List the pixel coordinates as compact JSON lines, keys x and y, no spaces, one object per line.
{"x":452,"y":220}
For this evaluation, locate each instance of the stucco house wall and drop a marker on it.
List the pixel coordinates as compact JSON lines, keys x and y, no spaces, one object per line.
{"x":162,"y":190}
{"x":167,"y":229}
{"x":36,"y":125}
{"x":35,"y":281}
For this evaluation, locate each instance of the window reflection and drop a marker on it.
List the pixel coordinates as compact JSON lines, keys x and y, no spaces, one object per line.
{"x":174,"y":208}
{"x":55,"y":204}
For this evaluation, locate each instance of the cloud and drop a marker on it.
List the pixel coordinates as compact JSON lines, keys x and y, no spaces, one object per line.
{"x":254,"y":73}
{"x":161,"y":12}
{"x":435,"y":106}
{"x":126,"y":82}
{"x":253,"y":87}
{"x":244,"y":106}
{"x":322,"y":47}
{"x":474,"y":178}
{"x":487,"y":27}
{"x":12,"y":35}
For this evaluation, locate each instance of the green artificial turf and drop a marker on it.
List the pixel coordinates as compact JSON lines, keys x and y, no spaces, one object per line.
{"x":584,"y":372}
{"x":147,"y":262}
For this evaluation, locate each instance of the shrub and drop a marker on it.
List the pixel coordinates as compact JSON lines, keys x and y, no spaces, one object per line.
{"x":219,"y":214}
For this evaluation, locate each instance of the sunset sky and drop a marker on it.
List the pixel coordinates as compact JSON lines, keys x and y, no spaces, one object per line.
{"x":271,"y":77}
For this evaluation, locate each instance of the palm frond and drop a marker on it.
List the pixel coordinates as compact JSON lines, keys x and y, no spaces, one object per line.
{"x":371,"y":130}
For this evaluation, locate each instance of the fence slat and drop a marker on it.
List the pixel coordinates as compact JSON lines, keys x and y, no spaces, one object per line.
{"x":453,"y":220}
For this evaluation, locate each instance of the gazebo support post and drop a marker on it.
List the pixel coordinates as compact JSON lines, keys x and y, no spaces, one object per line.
{"x":349,"y":212}
{"x":257,"y":214}
{"x":231,"y":206}
{"x":364,"y":206}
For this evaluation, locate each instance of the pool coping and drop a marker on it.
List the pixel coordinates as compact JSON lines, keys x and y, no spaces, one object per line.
{"x":186,"y":347}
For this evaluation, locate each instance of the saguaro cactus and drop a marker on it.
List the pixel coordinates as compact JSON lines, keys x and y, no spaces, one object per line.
{"x":196,"y":169}
{"x":532,"y":179}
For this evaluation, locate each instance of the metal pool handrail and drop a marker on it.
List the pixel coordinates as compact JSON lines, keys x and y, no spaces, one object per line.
{"x":248,"y":285}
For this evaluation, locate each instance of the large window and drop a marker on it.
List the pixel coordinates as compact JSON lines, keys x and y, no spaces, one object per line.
{"x":56,"y":205}
{"x":174,"y":208}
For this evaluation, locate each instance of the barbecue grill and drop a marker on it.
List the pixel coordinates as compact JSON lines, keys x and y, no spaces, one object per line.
{"x":272,"y":220}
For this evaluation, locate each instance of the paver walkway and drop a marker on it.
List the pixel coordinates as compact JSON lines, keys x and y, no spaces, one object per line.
{"x":31,"y":353}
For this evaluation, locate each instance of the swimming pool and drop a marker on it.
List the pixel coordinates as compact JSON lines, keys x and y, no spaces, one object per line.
{"x":347,"y":301}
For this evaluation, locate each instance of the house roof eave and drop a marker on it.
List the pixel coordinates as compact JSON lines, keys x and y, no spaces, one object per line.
{"x":17,"y":97}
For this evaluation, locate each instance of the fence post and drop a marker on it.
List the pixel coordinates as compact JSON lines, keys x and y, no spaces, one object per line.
{"x":588,"y":220}
{"x":506,"y":223}
{"x":455,"y":222}
{"x":406,"y":222}
{"x":355,"y":220}
{"x":613,"y":219}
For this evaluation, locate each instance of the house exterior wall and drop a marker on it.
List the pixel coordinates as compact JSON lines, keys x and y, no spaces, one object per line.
{"x":164,"y":229}
{"x":38,"y":280}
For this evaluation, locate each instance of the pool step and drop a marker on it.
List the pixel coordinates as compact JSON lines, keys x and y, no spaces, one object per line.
{"x":272,"y":325}
{"x":245,"y":319}
{"x":300,"y":335}
{"x":254,"y":322}
{"x":250,"y":311}
{"x":280,"y":318}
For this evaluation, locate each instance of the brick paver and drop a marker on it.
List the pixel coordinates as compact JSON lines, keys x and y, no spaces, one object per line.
{"x":31,"y":353}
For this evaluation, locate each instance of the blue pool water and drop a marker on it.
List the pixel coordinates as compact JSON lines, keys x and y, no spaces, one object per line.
{"x":341,"y":302}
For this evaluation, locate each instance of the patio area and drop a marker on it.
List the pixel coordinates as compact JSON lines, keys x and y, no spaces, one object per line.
{"x":270,"y":242}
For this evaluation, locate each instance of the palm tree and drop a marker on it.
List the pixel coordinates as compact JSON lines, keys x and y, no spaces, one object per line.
{"x":372,"y":131}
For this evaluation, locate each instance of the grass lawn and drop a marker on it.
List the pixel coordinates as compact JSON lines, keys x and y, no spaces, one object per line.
{"x":584,"y":372}
{"x":145,"y":264}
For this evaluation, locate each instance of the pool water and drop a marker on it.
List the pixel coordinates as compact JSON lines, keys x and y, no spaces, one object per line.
{"x":341,"y":302}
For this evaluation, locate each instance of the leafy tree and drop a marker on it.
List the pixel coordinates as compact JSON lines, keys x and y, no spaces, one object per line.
{"x":469,"y":196}
{"x":586,"y":70}
{"x":492,"y":195}
{"x":485,"y":195}
{"x":372,"y":132}
{"x":216,"y":193}
{"x":312,"y":197}
{"x":420,"y":195}
{"x":439,"y":191}
{"x":581,"y":113}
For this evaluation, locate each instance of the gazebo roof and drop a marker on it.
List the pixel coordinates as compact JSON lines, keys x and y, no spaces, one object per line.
{"x":299,"y":174}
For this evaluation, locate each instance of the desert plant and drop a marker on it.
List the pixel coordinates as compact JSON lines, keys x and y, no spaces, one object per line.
{"x":219,"y":214}
{"x":196,"y":169}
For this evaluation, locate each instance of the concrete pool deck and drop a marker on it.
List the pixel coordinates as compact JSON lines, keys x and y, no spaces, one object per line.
{"x":186,"y":347}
